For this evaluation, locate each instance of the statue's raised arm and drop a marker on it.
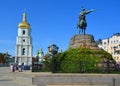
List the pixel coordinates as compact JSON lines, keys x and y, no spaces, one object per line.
{"x":89,"y":11}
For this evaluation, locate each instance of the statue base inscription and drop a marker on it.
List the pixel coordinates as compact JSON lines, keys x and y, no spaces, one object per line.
{"x":85,"y":41}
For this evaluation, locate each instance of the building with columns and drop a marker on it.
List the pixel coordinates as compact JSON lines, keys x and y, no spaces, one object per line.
{"x":112,"y":45}
{"x":23,"y":51}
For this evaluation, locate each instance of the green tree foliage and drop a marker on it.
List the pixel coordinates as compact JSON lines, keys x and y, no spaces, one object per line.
{"x":79,"y":60}
{"x":70,"y":60}
{"x":84,"y":54}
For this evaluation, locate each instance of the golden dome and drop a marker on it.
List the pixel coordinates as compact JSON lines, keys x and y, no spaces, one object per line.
{"x":24,"y":23}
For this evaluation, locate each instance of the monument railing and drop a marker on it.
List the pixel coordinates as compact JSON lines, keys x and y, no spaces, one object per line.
{"x":77,"y":67}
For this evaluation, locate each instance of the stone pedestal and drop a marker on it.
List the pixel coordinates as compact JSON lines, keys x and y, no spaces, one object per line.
{"x":80,"y":40}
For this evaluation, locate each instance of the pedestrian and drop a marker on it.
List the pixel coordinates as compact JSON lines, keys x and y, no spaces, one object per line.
{"x":17,"y":67}
{"x":12,"y":67}
{"x":20,"y":68}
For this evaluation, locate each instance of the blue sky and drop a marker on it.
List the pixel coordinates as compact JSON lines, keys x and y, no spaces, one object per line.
{"x":54,"y":21}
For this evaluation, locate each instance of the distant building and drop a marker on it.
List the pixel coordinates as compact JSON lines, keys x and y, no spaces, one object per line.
{"x":53,"y":49}
{"x":40,"y":55}
{"x":23,"y":51}
{"x":112,"y":45}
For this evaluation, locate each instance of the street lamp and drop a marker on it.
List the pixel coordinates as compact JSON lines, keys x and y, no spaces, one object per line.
{"x":53,"y":49}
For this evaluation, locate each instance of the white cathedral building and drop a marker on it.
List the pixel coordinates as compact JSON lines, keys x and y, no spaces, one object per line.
{"x":23,"y":51}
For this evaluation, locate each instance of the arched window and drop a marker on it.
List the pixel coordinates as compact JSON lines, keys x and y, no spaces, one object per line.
{"x":23,"y":51}
{"x":23,"y":40}
{"x":23,"y":32}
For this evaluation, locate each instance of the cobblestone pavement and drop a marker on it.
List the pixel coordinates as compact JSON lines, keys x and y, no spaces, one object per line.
{"x":8,"y":78}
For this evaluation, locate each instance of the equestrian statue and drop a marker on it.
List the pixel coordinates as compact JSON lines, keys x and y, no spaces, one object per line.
{"x":82,"y":24}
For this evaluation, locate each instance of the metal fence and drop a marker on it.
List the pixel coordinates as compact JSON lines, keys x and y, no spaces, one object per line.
{"x":4,"y":65}
{"x":77,"y":67}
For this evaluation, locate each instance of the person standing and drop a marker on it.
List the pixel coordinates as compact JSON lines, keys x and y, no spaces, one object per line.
{"x":12,"y":67}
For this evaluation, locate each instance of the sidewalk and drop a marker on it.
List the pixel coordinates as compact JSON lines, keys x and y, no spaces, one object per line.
{"x":8,"y":78}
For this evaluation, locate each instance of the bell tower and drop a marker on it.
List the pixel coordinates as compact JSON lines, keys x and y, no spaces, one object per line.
{"x":23,"y":51}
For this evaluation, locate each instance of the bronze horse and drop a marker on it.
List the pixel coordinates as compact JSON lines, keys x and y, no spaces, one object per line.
{"x":82,"y":25}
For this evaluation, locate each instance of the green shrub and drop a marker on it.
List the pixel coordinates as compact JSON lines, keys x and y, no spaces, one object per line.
{"x":69,"y":61}
{"x":78,"y":60}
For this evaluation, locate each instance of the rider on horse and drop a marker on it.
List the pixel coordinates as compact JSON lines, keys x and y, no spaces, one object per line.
{"x":82,"y":24}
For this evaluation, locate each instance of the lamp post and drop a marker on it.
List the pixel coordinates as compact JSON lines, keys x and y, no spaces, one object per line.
{"x":53,"y":49}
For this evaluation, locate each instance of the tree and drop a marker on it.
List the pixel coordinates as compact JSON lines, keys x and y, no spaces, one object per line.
{"x":2,"y":60}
